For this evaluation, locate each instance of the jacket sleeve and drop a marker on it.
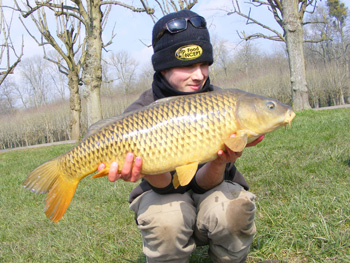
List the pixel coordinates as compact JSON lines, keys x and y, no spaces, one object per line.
{"x":231,"y":174}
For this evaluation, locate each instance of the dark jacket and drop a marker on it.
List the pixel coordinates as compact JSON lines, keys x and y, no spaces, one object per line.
{"x":231,"y":172}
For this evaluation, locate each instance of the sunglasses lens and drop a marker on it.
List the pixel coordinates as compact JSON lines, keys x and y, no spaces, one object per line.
{"x":180,"y":24}
{"x":177,"y":25}
{"x":198,"y":22}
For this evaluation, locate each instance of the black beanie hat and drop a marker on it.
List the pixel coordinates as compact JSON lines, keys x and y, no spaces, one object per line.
{"x":185,"y":48}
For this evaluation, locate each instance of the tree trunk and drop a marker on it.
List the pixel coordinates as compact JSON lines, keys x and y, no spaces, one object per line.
{"x":74,"y":105}
{"x":346,"y":64}
{"x":341,"y":96}
{"x":292,"y":25}
{"x":92,"y":69}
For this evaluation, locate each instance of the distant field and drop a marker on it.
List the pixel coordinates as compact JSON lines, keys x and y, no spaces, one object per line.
{"x":301,"y":177}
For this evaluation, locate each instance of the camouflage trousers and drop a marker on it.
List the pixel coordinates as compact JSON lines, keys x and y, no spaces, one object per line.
{"x":173,"y":225}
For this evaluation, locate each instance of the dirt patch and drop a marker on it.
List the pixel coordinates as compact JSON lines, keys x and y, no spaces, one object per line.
{"x":333,"y":107}
{"x":38,"y":145}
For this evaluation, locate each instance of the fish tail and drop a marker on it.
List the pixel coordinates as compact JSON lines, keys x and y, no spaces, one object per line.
{"x":59,"y":198}
{"x":49,"y":177}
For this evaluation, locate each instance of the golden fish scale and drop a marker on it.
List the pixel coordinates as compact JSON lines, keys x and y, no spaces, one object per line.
{"x":161,"y":139}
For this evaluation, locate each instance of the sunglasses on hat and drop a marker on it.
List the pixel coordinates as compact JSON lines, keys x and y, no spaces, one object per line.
{"x":177,"y":25}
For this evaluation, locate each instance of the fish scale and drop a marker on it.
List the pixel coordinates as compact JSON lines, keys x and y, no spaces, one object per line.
{"x":176,"y":133}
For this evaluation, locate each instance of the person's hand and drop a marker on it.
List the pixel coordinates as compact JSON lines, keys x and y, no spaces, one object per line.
{"x":131,"y":171}
{"x":229,"y":156}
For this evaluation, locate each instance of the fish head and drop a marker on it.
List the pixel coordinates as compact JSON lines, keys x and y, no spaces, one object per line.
{"x":260,"y":115}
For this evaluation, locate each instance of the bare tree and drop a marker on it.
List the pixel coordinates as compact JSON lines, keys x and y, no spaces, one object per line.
{"x":69,"y":48}
{"x":321,"y":51}
{"x":88,"y":13}
{"x":35,"y":82}
{"x":289,"y":15}
{"x":124,"y":69}
{"x":338,"y":13}
{"x":247,"y":57}
{"x":7,"y":49}
{"x":222,"y":57}
{"x":332,"y":55}
{"x":7,"y":96}
{"x":59,"y":81}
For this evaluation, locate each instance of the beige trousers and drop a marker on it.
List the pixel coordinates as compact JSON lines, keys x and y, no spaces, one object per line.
{"x":172,"y":225}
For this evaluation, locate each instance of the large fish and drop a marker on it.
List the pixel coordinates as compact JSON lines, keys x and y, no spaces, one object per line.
{"x":176,"y":133}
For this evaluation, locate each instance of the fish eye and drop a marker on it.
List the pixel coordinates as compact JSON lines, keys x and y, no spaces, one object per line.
{"x":270,"y":105}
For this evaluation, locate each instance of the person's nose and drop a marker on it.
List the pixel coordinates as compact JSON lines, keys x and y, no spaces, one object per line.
{"x":198,"y":73}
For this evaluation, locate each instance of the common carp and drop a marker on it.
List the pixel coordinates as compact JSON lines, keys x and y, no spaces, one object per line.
{"x":171,"y":134}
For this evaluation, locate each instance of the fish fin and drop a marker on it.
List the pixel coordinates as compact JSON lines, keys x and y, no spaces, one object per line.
{"x":185,"y":173}
{"x":236,"y":143}
{"x":176,"y":182}
{"x":49,"y":178}
{"x":164,"y":100}
{"x":59,"y":198}
{"x":102,"y":173}
{"x":99,"y":125}
{"x":41,"y":179}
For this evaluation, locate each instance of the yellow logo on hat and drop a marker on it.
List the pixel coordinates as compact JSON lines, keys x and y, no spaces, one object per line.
{"x":188,"y":52}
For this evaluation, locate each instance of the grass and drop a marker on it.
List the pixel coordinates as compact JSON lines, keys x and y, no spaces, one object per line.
{"x":300,"y":176}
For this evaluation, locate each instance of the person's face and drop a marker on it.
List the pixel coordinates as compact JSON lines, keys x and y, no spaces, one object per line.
{"x":187,"y":79}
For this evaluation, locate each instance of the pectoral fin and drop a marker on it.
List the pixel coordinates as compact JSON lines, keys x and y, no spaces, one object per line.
{"x":102,"y":173}
{"x":184,"y":174}
{"x":237,"y":143}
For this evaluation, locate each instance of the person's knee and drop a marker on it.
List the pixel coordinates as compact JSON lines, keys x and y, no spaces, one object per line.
{"x":167,"y":234}
{"x":240,"y":215}
{"x":170,"y":228}
{"x":233,"y":231}
{"x":234,"y":217}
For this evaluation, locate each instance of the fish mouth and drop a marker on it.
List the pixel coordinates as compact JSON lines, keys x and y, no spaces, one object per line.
{"x":290,"y":114}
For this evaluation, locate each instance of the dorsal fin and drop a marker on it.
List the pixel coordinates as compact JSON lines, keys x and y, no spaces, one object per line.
{"x":100,"y":124}
{"x":164,"y":100}
{"x":105,"y":122}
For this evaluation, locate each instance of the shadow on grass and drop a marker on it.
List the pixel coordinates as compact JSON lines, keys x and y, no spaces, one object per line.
{"x":140,"y":259}
{"x":200,"y":255}
{"x":347,"y":161}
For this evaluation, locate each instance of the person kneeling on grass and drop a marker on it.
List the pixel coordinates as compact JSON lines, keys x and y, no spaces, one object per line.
{"x":215,"y":209}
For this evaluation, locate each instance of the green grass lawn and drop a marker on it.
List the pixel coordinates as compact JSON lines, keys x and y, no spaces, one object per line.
{"x":301,"y":177}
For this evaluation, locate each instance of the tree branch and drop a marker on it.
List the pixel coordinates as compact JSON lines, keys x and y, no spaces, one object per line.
{"x":47,"y":4}
{"x":132,"y":8}
{"x":10,"y":70}
{"x":276,"y":5}
{"x":259,"y":35}
{"x":250,"y":20}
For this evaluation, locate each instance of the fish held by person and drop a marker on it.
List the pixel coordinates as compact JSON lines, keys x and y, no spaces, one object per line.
{"x":176,"y":133}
